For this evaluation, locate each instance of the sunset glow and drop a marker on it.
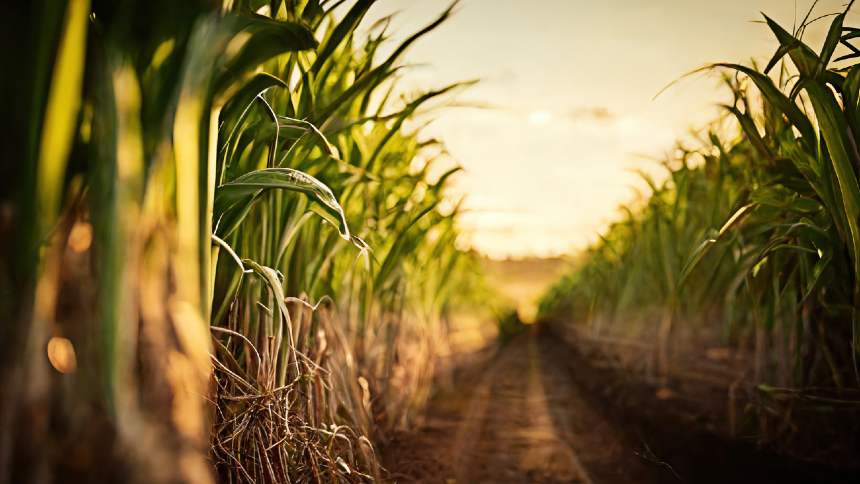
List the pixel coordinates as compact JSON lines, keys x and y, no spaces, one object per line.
{"x":570,"y":103}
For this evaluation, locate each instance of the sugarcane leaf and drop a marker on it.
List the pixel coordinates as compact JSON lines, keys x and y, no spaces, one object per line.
{"x":251,"y":185}
{"x":705,"y":246}
{"x":830,"y":42}
{"x":777,"y":99}
{"x":241,"y":100}
{"x":343,"y":29}
{"x":266,"y":38}
{"x":834,"y":130}
{"x":399,"y":246}
{"x":378,"y":74}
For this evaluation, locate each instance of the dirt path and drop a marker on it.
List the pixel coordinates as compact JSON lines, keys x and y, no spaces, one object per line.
{"x":516,"y":417}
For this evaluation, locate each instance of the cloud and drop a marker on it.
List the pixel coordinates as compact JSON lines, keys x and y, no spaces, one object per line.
{"x":596,"y":114}
{"x":540,"y":117}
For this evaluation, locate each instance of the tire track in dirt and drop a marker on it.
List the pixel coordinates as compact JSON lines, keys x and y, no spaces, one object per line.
{"x":516,"y":418}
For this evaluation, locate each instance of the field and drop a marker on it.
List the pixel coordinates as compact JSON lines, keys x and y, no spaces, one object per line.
{"x":216,"y":229}
{"x":735,"y":281}
{"x":230,"y":252}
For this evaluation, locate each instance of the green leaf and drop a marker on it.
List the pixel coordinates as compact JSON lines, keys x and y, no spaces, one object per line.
{"x":237,"y":106}
{"x":245,"y":188}
{"x":398,"y":247}
{"x":378,"y":74}
{"x":344,"y":28}
{"x":703,"y":248}
{"x":834,"y":131}
{"x":779,"y":100}
{"x":61,"y":110}
{"x":267,"y":38}
{"x":830,"y":43}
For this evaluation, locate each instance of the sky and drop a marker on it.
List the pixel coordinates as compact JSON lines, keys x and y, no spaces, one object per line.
{"x":567,"y":94}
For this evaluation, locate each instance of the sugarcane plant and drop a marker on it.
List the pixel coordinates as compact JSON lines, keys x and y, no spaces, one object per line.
{"x":751,"y":239}
{"x":228,"y":240}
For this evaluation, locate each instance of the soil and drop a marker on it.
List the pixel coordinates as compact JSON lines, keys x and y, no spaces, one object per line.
{"x":535,"y":411}
{"x":514,"y":415}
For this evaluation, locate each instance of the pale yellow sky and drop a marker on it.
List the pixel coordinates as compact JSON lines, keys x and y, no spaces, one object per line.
{"x":572,"y":85}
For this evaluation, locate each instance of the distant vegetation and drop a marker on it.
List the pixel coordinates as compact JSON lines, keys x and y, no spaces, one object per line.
{"x":520,"y":282}
{"x":751,"y":241}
